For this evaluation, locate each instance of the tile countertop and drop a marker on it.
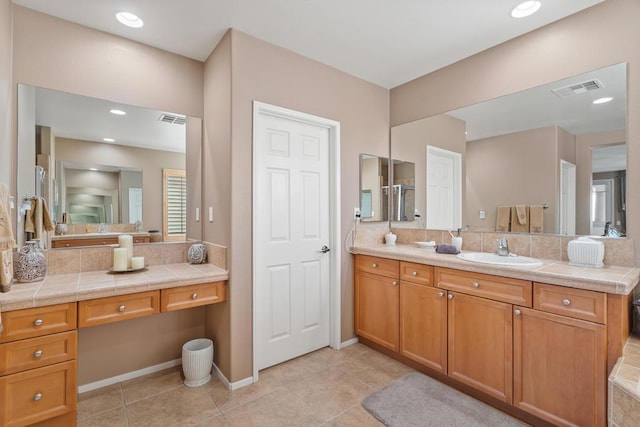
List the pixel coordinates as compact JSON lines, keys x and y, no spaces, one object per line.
{"x":94,"y":235}
{"x":61,"y":288}
{"x":610,"y":278}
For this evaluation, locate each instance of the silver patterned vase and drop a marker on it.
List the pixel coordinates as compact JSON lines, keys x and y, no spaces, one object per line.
{"x":197,"y":254}
{"x":30,"y":264}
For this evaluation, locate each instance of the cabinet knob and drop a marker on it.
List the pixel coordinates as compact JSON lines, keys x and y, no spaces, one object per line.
{"x":450,"y":296}
{"x":415,"y":273}
{"x":37,"y":396}
{"x":517,"y":312}
{"x":374,"y":265}
{"x":37,"y":353}
{"x":394,"y":283}
{"x":104,"y":243}
{"x":566,"y":301}
{"x":121,"y":308}
{"x":67,"y":245}
{"x":38,"y":322}
{"x":440,"y":294}
{"x":476,"y":284}
{"x":194,"y":295}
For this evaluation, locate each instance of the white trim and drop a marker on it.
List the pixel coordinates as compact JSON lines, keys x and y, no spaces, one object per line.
{"x":335,"y":225}
{"x":347,"y":343}
{"x":457,"y":183}
{"x":231,"y":386}
{"x":129,"y":376}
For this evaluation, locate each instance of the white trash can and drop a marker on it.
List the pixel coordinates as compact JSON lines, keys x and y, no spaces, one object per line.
{"x":197,"y":361}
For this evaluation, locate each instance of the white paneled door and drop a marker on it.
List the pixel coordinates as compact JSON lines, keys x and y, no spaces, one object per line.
{"x":292,"y":268}
{"x":444,"y":189}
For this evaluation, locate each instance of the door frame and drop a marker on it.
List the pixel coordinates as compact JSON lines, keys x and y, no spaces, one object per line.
{"x":567,"y":217}
{"x":335,"y":285}
{"x":457,"y":182}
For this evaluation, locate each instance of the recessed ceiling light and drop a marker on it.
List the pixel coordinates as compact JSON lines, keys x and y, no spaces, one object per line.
{"x":108,"y":140}
{"x":129,"y":19}
{"x":93,"y":169}
{"x":117,"y":112}
{"x":603,"y":100}
{"x":525,"y":9}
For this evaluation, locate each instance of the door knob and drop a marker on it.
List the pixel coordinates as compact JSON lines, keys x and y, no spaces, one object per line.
{"x":324,"y":249}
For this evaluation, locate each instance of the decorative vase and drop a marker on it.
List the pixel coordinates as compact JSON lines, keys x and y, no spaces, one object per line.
{"x":197,"y":254}
{"x":30,"y":264}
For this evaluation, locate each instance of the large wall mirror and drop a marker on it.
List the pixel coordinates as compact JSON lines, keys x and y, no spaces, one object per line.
{"x":100,"y":162}
{"x":560,"y":147}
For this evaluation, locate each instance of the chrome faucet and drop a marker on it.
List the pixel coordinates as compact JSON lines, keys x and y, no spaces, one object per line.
{"x":503,"y":247}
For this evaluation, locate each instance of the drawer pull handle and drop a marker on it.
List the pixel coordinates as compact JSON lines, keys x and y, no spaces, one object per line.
{"x":476,"y":284}
{"x":67,"y":245}
{"x":517,"y":312}
{"x":394,"y":283}
{"x":37,"y":396}
{"x":194,"y":295}
{"x":37,"y":353}
{"x":374,"y":265}
{"x":415,"y":273}
{"x":121,"y":308}
{"x":450,"y":296}
{"x":38,"y":322}
{"x":440,"y":294}
{"x":566,"y":301}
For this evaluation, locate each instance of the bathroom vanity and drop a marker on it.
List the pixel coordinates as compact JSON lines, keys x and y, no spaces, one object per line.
{"x":94,"y":239}
{"x":39,"y":343}
{"x":537,"y":341}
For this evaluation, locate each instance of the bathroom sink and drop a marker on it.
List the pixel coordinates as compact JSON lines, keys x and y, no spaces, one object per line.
{"x":491,"y":258}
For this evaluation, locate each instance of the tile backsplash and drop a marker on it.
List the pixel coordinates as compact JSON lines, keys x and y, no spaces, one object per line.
{"x":617,"y":251}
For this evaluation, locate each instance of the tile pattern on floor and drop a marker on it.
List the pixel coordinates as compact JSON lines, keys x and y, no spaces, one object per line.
{"x":323,"y":388}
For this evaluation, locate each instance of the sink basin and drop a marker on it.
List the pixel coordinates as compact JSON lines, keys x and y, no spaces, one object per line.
{"x":491,"y":258}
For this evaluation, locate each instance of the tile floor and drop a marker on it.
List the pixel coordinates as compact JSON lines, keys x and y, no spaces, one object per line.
{"x":323,"y":388}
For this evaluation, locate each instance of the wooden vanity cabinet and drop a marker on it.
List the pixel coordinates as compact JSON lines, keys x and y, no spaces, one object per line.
{"x":423,"y":317}
{"x":377,"y":301}
{"x":560,"y":360}
{"x":38,"y":365}
{"x":93,"y":241}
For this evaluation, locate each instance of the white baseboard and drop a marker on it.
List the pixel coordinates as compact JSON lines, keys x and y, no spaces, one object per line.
{"x":128,"y":376}
{"x":347,"y":343}
{"x":231,"y":386}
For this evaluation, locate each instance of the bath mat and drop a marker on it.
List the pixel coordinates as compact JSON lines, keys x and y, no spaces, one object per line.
{"x":418,"y":400}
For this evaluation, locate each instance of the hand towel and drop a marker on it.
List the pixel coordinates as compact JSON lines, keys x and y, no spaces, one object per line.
{"x":502,"y":218}
{"x":38,"y":221}
{"x":516,"y":225}
{"x":536,"y":219}
{"x":443,"y":248}
{"x":521,"y":212}
{"x":7,"y":242}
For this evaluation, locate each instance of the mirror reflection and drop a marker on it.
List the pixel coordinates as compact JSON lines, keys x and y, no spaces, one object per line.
{"x":548,"y":148}
{"x":101,"y":162}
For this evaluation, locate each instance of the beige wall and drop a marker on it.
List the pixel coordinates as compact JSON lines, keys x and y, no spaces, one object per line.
{"x":56,"y":54}
{"x":409,"y":143}
{"x":513,"y":169}
{"x":263,"y":72}
{"x":7,"y":162}
{"x":600,"y":36}
{"x":584,"y":145}
{"x":150,"y":161}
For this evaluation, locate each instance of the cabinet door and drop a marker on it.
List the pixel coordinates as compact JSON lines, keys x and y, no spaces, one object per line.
{"x":377,"y":309}
{"x":480,"y":344}
{"x":559,"y":368}
{"x":423,"y":325}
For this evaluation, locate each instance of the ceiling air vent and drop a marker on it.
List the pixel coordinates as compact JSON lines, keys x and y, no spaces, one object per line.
{"x":578,"y":88}
{"x":173,"y":118}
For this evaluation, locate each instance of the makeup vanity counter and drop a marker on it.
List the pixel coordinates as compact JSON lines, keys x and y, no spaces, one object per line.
{"x":529,"y":340}
{"x":94,"y":239}
{"x":38,"y":345}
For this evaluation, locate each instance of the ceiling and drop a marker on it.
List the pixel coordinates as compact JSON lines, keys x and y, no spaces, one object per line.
{"x":386,"y":42}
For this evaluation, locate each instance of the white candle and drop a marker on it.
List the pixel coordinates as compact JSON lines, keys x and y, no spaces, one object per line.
{"x":126,"y":241}
{"x":137,"y":262}
{"x":120,"y":259}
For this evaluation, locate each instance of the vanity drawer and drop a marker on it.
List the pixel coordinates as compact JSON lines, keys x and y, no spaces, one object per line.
{"x":511,"y":291}
{"x":113,"y":309}
{"x":36,"y":352}
{"x":192,"y":296}
{"x":576,"y":303}
{"x":379,"y":266}
{"x":93,"y":241}
{"x":416,"y":273}
{"x":38,"y":321}
{"x":37,"y":394}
